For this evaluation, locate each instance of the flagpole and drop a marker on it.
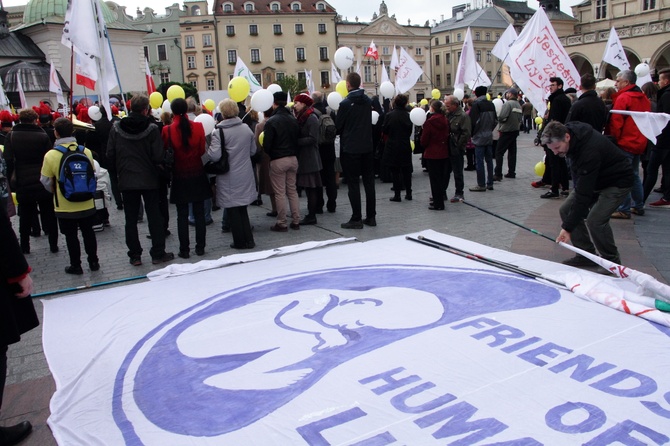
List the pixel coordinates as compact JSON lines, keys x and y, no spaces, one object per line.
{"x":116,"y":71}
{"x":72,"y":68}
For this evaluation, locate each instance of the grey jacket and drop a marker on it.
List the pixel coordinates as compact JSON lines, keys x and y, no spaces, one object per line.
{"x":459,"y":131}
{"x":510,"y":116}
{"x":483,"y":120}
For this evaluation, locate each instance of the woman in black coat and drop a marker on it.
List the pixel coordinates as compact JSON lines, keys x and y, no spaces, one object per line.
{"x":17,"y":313}
{"x":398,"y":151}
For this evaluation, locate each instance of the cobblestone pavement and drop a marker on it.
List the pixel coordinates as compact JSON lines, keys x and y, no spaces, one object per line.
{"x":644,"y":237}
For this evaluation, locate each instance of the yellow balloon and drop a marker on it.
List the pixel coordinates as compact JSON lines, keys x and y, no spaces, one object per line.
{"x":238,"y":89}
{"x":290,"y":104}
{"x":175,"y":92}
{"x":435,"y":94}
{"x":423,"y":101}
{"x":16,"y":202}
{"x":488,"y":96}
{"x":156,"y":99}
{"x":341,"y":88}
{"x":210,"y":104}
{"x":538,"y":120}
{"x":539,"y":169}
{"x":411,"y":143}
{"x":261,"y":138}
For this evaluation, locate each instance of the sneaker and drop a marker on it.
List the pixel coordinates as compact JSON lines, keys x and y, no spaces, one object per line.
{"x":637,"y":211}
{"x":277,"y":228}
{"x":510,"y":175}
{"x":74,"y":270}
{"x":661,"y":204}
{"x":497,"y":178}
{"x":370,"y":221}
{"x":456,"y":199}
{"x":550,"y":194}
{"x":578,"y":261}
{"x":478,"y":189}
{"x":352,"y":224}
{"x":537,"y":184}
{"x":489,"y":187}
{"x":135,"y":261}
{"x":166,"y":257}
{"x":94,"y":266}
{"x":620,"y":215}
{"x":98,"y":228}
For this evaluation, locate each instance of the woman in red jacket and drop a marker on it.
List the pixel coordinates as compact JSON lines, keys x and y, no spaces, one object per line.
{"x":189,"y":181}
{"x":435,"y":140}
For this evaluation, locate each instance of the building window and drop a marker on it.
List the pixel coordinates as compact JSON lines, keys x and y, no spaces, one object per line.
{"x":497,"y":36}
{"x":232,"y":56}
{"x":478,"y":36}
{"x":446,"y":39}
{"x":253,"y":30}
{"x":320,"y":7}
{"x":385,"y":51}
{"x":367,"y":73}
{"x":162,"y":51}
{"x":302,"y":79}
{"x":279,"y":54}
{"x":193,"y":84}
{"x":227,"y":8}
{"x":438,"y":80}
{"x":279,"y":75}
{"x":230,"y":30}
{"x":322,"y":28}
{"x":447,"y":58}
{"x":255,"y":55}
{"x":437,"y":59}
{"x":601,"y":9}
{"x":479,"y":55}
{"x":295,"y":6}
{"x":210,"y":84}
{"x":648,"y":4}
{"x":325,"y":78}
{"x":276,"y":28}
{"x":323,"y":53}
{"x":300,"y":54}
{"x":498,"y":77}
{"x":448,"y":78}
{"x":488,"y":55}
{"x":274,"y":7}
{"x":258,"y":78}
{"x":249,"y":7}
{"x":190,"y":62}
{"x":298,"y":28}
{"x":165,"y":77}
{"x":206,"y":40}
{"x":487,"y":37}
{"x":458,"y":56}
{"x":146,"y":52}
{"x":458,"y":37}
{"x":417,"y":51}
{"x":189,"y":42}
{"x":437,"y":41}
{"x":209,"y":61}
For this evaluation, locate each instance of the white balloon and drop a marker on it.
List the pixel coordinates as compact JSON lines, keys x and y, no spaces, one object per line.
{"x":497,"y":103}
{"x":375,"y":117}
{"x":334,"y":100}
{"x":166,"y":106}
{"x":417,"y":116}
{"x":262,"y":100}
{"x":387,"y":89}
{"x":344,"y":58}
{"x":459,"y":93}
{"x":641,"y":70}
{"x":273,"y":88}
{"x":207,"y":122}
{"x":156,"y":113}
{"x":94,"y":112}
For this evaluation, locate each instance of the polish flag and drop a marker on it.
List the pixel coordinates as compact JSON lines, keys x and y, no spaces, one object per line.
{"x":372,"y":51}
{"x":151,"y":86}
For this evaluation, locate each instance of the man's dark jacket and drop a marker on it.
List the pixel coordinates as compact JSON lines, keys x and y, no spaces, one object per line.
{"x":25,"y":147}
{"x":663,"y":106}
{"x":598,"y":163}
{"x":354,"y":123}
{"x":559,"y":106}
{"x":590,"y":109}
{"x":281,"y":133}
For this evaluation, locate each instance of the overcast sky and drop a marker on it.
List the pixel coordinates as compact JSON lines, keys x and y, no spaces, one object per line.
{"x":418,"y":11}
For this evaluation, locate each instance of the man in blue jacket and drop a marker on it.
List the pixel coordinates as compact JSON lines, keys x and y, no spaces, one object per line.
{"x":354,"y":125}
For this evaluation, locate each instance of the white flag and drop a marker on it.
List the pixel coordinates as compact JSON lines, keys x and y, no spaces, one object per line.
{"x":22,"y":94}
{"x":650,"y":124}
{"x":408,"y":72}
{"x":335,"y":74}
{"x":84,"y":31}
{"x":54,"y":84}
{"x":538,"y":55}
{"x":4,"y":102}
{"x":469,"y":72}
{"x":506,"y":41}
{"x":242,"y":71}
{"x":394,"y":59}
{"x":309,"y":81}
{"x":614,"y":53}
{"x":385,"y":75}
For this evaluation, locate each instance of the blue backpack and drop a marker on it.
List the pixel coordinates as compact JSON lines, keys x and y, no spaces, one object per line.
{"x":76,"y":176}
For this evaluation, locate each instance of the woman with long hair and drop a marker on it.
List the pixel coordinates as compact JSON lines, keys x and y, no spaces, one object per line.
{"x":189,"y":181}
{"x":309,"y":160}
{"x":398,"y":151}
{"x":435,"y":140}
{"x":235,"y":189}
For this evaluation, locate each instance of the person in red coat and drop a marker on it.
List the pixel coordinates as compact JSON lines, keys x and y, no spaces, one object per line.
{"x":435,"y":140}
{"x":189,"y":181}
{"x":17,"y":313}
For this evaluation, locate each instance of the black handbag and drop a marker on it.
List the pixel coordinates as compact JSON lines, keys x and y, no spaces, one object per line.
{"x":221,"y":166}
{"x":168,"y":160}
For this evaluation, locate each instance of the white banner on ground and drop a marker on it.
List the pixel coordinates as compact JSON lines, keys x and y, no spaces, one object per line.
{"x":382,"y":342}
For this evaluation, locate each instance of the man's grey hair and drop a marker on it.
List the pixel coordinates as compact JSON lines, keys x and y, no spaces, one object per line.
{"x":554,"y":132}
{"x":627,"y":75}
{"x":451,"y":99}
{"x":317,"y":97}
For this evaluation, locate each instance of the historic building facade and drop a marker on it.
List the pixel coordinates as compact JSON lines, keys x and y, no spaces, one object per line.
{"x":200,"y":54}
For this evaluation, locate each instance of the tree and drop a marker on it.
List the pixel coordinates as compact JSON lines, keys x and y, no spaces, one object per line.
{"x":292,"y":85}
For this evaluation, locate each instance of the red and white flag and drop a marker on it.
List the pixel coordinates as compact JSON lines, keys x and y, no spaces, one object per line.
{"x":55,"y":86}
{"x":86,"y":72}
{"x":151,"y":86}
{"x":22,"y":94}
{"x":372,"y":51}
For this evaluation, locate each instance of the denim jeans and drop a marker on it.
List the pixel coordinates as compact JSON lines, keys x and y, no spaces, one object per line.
{"x":636,"y":196}
{"x":484,"y":153}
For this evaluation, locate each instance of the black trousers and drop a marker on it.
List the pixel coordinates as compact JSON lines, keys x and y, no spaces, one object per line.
{"x":355,"y":166}
{"x":327,"y":152}
{"x":506,"y":143}
{"x":3,"y":370}
{"x":132,"y":200}
{"x":558,"y":171}
{"x":200,"y":225}
{"x":28,"y":205}
{"x":454,"y":165}
{"x":437,"y":174}
{"x":402,"y":176}
{"x":240,"y":227}
{"x":69,"y":228}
